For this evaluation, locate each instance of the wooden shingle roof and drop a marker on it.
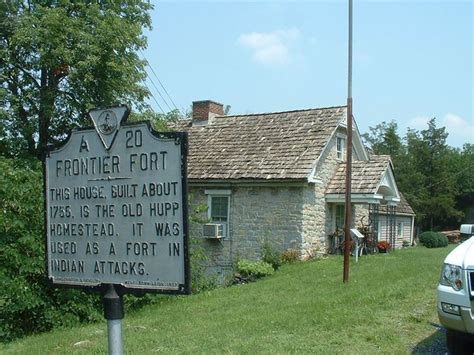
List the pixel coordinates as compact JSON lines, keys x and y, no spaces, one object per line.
{"x":272,"y":146}
{"x":366,"y":176}
{"x":403,"y":207}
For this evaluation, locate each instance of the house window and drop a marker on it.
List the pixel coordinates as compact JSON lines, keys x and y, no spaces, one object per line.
{"x":399,"y":230}
{"x":340,"y":213}
{"x":219,"y":208}
{"x":340,"y":148}
{"x":218,"y":203}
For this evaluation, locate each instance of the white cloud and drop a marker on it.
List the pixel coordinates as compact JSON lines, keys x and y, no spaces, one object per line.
{"x":459,"y":130}
{"x":418,"y":122}
{"x":271,"y":48}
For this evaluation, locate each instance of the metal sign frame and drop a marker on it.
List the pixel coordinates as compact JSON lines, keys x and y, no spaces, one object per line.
{"x":180,"y":138}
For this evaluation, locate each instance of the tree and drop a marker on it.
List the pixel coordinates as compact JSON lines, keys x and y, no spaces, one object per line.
{"x":433,"y":189}
{"x":435,"y":179}
{"x":384,"y":139}
{"x":159,"y":121}
{"x":463,"y":171}
{"x":58,"y":59}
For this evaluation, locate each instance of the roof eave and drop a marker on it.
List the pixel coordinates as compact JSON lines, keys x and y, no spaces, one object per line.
{"x":248,"y":182}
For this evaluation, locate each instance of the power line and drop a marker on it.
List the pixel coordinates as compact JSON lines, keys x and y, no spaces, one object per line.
{"x":159,"y":81}
{"x":154,"y":85}
{"x":156,"y":101}
{"x":159,"y":93}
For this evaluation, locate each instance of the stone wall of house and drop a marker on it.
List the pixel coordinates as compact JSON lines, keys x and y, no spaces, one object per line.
{"x":324,"y":214}
{"x":314,"y":212}
{"x":361,"y":215}
{"x":257,"y":215}
{"x":327,"y":166}
{"x":266,"y":214}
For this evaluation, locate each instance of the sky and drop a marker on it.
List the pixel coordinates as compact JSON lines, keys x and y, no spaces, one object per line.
{"x":412,"y":60}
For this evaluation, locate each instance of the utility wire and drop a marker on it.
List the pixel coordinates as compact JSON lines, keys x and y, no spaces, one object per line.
{"x":144,"y":82}
{"x":156,"y":101}
{"x":159,"y":81}
{"x":159,"y":93}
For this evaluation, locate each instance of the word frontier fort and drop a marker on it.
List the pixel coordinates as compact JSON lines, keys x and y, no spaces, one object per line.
{"x":86,"y":166}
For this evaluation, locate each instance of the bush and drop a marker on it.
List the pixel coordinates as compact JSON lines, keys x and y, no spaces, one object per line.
{"x":270,"y":255}
{"x":290,"y":256}
{"x":200,"y":281}
{"x":251,"y":270}
{"x":27,"y":303}
{"x":433,"y":239}
{"x":442,"y":240}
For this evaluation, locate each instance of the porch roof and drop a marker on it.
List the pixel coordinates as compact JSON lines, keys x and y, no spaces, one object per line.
{"x":372,"y":181}
{"x":402,"y":208}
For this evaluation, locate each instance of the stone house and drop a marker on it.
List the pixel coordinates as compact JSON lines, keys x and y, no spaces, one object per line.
{"x":278,"y":178}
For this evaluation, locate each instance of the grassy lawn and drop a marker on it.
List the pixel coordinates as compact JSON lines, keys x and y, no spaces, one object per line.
{"x":388,"y":306}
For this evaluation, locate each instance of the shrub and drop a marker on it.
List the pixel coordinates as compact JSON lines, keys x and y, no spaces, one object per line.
{"x":27,"y":303}
{"x":442,"y":240}
{"x":405,"y":244}
{"x":199,"y":280}
{"x":290,"y":256}
{"x":433,"y":239}
{"x":270,"y":255}
{"x":251,"y":270}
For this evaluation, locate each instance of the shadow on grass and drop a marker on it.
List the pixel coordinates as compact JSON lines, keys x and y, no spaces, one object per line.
{"x":434,"y":344}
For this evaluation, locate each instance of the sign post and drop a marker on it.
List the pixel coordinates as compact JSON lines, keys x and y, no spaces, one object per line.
{"x":116,"y":212}
{"x":113,"y":312}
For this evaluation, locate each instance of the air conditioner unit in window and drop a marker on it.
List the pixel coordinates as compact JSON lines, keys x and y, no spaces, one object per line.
{"x":213,"y":231}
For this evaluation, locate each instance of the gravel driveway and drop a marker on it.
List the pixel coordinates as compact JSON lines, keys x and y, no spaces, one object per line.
{"x":434,"y":344}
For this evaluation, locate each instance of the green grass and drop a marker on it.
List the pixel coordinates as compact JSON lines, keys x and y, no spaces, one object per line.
{"x":388,"y":306}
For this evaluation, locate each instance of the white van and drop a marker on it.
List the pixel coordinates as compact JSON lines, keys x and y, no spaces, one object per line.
{"x":456,"y":294}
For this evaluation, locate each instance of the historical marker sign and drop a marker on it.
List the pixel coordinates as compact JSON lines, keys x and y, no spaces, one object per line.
{"x":116,"y":206}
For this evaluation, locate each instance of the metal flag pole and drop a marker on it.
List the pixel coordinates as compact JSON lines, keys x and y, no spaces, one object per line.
{"x":348,"y":207}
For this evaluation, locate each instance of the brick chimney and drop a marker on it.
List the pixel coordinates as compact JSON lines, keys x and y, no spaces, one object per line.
{"x":205,"y":111}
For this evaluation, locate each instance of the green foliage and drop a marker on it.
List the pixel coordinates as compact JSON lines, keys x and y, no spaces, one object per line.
{"x":58,"y":59}
{"x":436,"y":180}
{"x":254,"y":269}
{"x":27,"y":302}
{"x":270,"y":255}
{"x":200,"y":281}
{"x":158,"y":121}
{"x":384,"y":139}
{"x":433,"y":239}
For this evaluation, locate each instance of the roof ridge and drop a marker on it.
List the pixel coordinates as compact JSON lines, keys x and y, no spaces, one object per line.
{"x":278,"y":112}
